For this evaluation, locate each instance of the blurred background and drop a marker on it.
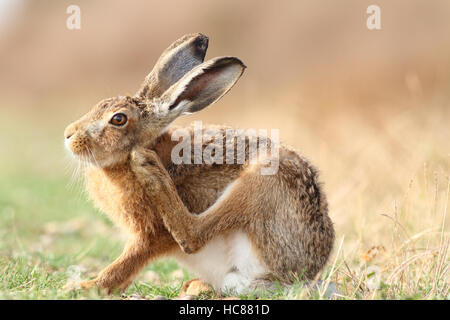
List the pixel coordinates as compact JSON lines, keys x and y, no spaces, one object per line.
{"x":370,"y":108}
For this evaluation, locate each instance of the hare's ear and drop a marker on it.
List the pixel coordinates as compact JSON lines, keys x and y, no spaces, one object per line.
{"x":200,"y":87}
{"x":179,"y":58}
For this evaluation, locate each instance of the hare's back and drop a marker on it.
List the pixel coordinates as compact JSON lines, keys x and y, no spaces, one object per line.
{"x":187,"y":153}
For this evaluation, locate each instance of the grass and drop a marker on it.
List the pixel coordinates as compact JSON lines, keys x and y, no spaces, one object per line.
{"x":388,"y":191}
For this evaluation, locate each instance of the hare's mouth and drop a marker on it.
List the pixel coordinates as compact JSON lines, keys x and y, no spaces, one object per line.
{"x":79,"y":150}
{"x":83,"y":153}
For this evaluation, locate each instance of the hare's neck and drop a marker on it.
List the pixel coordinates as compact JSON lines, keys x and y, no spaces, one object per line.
{"x":116,"y":192}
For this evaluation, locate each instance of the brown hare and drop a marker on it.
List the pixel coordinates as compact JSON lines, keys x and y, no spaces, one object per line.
{"x":234,"y":227}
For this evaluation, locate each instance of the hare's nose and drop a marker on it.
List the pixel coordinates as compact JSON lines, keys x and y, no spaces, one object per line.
{"x":70,"y":130}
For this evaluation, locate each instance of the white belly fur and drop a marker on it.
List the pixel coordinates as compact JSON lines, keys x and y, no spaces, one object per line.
{"x":228,"y":263}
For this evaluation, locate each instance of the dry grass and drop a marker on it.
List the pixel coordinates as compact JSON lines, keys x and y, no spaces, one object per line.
{"x":387,"y":178}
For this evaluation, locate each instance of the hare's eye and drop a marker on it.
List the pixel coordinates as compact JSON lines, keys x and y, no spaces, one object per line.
{"x":119,"y":119}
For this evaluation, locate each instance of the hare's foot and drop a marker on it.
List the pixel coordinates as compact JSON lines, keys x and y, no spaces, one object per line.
{"x":86,"y":285}
{"x":237,"y":283}
{"x":103,"y":285}
{"x":195,"y":287}
{"x":110,"y":284}
{"x":80,"y":285}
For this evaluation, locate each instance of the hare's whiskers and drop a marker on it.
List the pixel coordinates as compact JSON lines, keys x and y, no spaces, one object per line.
{"x":93,"y":157}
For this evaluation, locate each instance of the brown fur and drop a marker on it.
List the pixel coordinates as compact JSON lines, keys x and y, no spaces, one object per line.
{"x":164,"y":207}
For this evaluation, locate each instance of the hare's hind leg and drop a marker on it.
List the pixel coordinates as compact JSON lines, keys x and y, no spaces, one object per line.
{"x":244,"y":262}
{"x":241,"y":203}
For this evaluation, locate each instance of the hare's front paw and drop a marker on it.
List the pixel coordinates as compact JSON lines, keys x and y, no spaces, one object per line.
{"x":141,"y":156}
{"x":82,"y":285}
{"x":103,"y":287}
{"x":86,"y":285}
{"x":148,"y":168}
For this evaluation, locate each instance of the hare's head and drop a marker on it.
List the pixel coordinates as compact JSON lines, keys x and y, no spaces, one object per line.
{"x":180,"y":83}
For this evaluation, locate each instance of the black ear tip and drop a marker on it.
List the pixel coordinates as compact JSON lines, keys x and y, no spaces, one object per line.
{"x":241,"y":63}
{"x":201,"y":44}
{"x":202,"y":39}
{"x":223,"y":61}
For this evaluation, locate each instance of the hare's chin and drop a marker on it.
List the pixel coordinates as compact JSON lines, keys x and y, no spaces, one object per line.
{"x":79,"y":156}
{"x":99,"y":163}
{"x":84,"y":158}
